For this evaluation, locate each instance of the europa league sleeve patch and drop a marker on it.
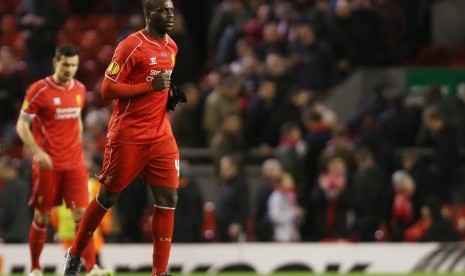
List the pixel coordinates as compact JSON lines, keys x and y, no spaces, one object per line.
{"x":113,"y":68}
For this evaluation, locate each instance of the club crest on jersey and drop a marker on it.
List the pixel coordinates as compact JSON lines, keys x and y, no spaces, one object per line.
{"x":172,"y":60}
{"x":56,"y":101}
{"x":113,"y":68}
{"x":78,"y":99}
{"x":153,"y":61}
{"x":108,"y":179}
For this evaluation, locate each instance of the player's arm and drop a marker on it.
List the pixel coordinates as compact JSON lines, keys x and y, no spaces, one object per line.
{"x":23,"y":128}
{"x":81,"y":128}
{"x":115,"y":90}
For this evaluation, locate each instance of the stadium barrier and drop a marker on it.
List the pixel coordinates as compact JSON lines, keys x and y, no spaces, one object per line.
{"x":263,"y":258}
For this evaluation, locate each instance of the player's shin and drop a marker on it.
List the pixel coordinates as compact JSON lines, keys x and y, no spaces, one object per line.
{"x":37,"y":235}
{"x":162,"y":232}
{"x":89,"y":253}
{"x":90,"y":221}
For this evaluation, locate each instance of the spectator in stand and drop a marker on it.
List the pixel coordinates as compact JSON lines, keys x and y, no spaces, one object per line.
{"x":402,"y":215}
{"x":277,"y":68}
{"x":40,"y":21}
{"x":229,"y":140}
{"x":260,"y":109}
{"x":12,"y":86}
{"x":221,"y":101}
{"x":318,"y":134}
{"x":289,"y":111}
{"x":314,"y":61}
{"x":272,"y":41}
{"x":232,"y":206}
{"x":373,"y":105}
{"x":272,"y":172}
{"x":189,"y":210}
{"x":328,"y":208}
{"x":367,"y":195}
{"x":15,"y":215}
{"x":437,"y":135}
{"x":425,"y":176}
{"x":398,"y":126}
{"x":441,"y":228}
{"x":187,"y":63}
{"x":291,"y":152}
{"x":186,"y":122}
{"x":284,"y":212}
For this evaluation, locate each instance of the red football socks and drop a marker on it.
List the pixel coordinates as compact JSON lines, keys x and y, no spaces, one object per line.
{"x":37,"y":235}
{"x":89,"y":253}
{"x":90,"y":221}
{"x":162,"y":232}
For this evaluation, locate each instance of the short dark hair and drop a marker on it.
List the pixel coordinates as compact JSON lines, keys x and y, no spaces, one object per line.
{"x":147,"y":4}
{"x":67,"y":50}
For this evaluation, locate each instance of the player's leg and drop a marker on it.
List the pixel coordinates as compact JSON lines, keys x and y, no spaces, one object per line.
{"x":122,"y":163}
{"x":43,"y":199}
{"x":88,"y":255}
{"x":92,"y":218}
{"x":162,"y":227}
{"x":37,"y":236}
{"x":162,"y":174}
{"x":76,"y":195}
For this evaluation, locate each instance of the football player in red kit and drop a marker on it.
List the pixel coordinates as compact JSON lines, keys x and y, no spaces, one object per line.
{"x":53,"y":107}
{"x":140,"y":140}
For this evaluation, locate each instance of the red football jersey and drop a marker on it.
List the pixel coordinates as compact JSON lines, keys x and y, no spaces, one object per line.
{"x":56,"y":111}
{"x":142,"y":119}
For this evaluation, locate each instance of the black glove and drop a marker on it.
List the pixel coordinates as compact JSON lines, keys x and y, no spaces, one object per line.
{"x":175,"y":96}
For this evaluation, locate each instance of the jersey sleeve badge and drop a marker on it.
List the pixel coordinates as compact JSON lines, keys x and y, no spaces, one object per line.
{"x":25,"y":105}
{"x":113,"y":68}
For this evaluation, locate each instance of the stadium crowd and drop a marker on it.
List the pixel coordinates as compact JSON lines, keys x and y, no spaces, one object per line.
{"x":257,"y":75}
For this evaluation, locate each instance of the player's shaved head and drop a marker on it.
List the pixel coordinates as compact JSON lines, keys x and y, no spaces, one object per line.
{"x":148,"y":4}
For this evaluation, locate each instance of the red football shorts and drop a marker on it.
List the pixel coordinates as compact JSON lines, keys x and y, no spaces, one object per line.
{"x":157,"y":163}
{"x":51,"y":187}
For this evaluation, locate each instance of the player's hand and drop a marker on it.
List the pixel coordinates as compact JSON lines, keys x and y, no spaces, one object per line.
{"x":161,"y":81}
{"x":43,"y":159}
{"x":176,"y":95}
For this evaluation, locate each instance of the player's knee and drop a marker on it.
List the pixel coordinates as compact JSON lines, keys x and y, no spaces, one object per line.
{"x":42,"y":218}
{"x":107,"y":200}
{"x":166,"y":199}
{"x":77,"y":213}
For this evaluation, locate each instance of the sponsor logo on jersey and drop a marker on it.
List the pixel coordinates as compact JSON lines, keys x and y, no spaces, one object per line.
{"x":25,"y":105}
{"x":67,"y":113}
{"x":153,"y":60}
{"x":108,"y":179}
{"x":56,"y":101}
{"x":113,"y":68}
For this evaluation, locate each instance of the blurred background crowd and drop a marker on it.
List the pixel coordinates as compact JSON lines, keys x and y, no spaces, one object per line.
{"x":259,"y":76}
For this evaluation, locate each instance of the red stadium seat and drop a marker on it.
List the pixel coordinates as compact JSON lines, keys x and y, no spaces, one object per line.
{"x":108,"y":29}
{"x":209,"y":224}
{"x":431,"y":55}
{"x":90,"y":44}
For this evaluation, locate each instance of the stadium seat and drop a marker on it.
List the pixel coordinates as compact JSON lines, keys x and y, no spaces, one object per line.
{"x":90,"y":44}
{"x":209,"y":224}
{"x":431,"y":55}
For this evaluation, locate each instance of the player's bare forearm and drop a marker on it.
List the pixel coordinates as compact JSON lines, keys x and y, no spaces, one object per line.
{"x":81,"y":128}
{"x":23,"y":128}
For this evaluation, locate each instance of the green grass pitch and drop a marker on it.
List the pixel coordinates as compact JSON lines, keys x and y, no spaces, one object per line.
{"x":283,"y":274}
